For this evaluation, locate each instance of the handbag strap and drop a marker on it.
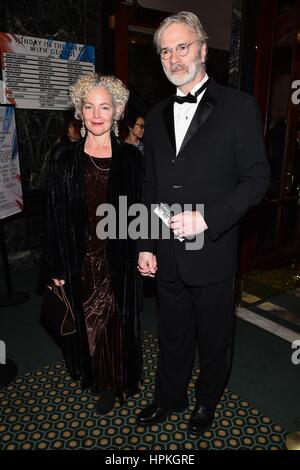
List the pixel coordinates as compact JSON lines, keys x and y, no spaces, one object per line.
{"x":60,"y":292}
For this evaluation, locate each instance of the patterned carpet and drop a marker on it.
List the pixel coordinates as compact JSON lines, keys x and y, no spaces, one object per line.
{"x":47,"y":410}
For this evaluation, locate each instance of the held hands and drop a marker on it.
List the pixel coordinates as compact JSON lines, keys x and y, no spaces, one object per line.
{"x":147,"y":264}
{"x":188,"y":224}
{"x":58,"y":282}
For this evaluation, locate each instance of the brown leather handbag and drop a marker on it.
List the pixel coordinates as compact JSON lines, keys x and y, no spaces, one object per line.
{"x":57,"y":314}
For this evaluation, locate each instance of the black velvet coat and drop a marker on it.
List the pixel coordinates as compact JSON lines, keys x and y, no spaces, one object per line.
{"x":67,"y":235}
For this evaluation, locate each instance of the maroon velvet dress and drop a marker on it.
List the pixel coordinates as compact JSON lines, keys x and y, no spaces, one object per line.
{"x":102,"y":321}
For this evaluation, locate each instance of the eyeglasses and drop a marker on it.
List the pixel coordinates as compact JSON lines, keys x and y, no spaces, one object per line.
{"x":142,"y":126}
{"x":181,"y":50}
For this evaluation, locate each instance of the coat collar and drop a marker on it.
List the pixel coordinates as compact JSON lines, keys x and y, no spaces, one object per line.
{"x":204,"y":109}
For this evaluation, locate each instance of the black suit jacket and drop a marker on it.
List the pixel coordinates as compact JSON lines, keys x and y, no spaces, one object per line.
{"x":221,"y":164}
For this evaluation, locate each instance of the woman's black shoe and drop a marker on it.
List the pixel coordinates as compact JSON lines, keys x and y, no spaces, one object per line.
{"x":106,"y":402}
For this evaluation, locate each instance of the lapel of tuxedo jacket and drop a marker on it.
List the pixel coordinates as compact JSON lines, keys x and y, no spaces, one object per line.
{"x":203,"y":111}
{"x":168,"y":114}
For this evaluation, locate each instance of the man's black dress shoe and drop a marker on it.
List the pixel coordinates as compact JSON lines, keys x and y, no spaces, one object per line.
{"x":201,"y":419}
{"x":153,"y":414}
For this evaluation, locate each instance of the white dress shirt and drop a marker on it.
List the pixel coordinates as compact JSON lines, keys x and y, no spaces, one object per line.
{"x":184,"y":113}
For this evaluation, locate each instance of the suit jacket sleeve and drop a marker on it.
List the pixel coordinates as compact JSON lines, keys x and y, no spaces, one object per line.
{"x":253,"y":170}
{"x":148,"y":192}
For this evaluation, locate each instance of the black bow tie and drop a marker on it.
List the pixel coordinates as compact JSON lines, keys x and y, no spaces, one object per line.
{"x":190,"y":98}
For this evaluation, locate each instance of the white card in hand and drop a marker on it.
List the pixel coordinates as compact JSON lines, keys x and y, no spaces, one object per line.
{"x":163,"y":212}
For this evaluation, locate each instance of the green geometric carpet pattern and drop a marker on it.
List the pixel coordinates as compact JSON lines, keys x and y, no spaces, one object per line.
{"x":46,"y":409}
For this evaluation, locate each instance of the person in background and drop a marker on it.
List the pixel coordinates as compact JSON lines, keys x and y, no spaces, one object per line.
{"x":98,"y":275}
{"x":136,"y":126}
{"x":73,"y":130}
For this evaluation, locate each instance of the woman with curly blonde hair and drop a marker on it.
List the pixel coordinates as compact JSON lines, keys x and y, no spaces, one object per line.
{"x":99,"y":276}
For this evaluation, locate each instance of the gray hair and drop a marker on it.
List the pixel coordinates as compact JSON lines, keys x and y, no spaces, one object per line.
{"x":184,"y":17}
{"x":117,"y":89}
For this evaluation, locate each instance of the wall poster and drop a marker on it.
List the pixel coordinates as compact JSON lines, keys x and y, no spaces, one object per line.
{"x":37,"y":73}
{"x":11,"y":198}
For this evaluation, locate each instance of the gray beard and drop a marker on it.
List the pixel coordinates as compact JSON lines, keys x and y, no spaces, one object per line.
{"x":187,"y":77}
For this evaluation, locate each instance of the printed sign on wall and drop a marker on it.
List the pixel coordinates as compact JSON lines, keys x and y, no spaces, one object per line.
{"x":11,"y":199}
{"x":37,"y":73}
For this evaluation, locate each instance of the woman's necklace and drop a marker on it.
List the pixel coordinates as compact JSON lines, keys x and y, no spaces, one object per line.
{"x":99,"y":167}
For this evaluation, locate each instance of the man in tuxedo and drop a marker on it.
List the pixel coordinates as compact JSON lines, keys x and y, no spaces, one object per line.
{"x":203,"y":146}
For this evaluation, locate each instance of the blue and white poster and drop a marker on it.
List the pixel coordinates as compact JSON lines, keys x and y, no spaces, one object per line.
{"x":11,"y":199}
